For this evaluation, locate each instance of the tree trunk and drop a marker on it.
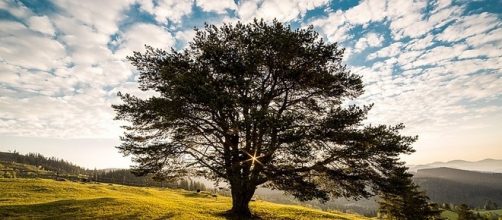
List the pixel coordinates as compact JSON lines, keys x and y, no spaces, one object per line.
{"x":240,"y":201}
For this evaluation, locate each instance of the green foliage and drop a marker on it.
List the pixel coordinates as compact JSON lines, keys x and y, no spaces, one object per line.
{"x":258,"y":103}
{"x":49,"y":199}
{"x":464,"y":213}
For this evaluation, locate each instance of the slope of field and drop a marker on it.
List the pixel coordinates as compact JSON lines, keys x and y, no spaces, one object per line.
{"x":10,"y":169}
{"x":449,"y":215}
{"x":490,"y":214}
{"x":49,"y":199}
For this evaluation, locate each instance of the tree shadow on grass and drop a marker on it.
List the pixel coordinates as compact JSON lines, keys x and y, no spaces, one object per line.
{"x":197,"y":195}
{"x":167,"y":216}
{"x":230,"y":216}
{"x":99,"y":208}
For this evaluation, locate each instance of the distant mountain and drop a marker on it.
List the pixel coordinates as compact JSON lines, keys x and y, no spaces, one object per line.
{"x":486,"y":165}
{"x":448,"y":185}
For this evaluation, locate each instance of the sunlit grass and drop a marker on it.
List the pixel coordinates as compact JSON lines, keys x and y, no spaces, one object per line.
{"x":40,"y":198}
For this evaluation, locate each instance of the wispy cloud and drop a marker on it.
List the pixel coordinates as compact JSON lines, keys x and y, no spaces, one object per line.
{"x":434,"y":65}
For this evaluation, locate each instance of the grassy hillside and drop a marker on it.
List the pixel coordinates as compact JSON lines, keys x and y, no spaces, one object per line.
{"x":9,"y":169}
{"x":493,"y":214}
{"x":45,"y":163}
{"x":41,"y":198}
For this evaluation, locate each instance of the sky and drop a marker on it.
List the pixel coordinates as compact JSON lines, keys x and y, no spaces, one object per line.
{"x":435,"y":66}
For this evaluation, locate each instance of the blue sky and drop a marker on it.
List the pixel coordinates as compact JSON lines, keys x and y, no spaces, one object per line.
{"x":434,"y":65}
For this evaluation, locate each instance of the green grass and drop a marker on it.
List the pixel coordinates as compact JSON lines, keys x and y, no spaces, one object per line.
{"x":49,"y":199}
{"x":454,"y":216}
{"x":29,"y":171}
{"x":447,"y":214}
{"x":8,"y":166}
{"x":498,"y":211}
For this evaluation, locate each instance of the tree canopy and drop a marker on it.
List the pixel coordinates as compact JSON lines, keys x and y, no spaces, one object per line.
{"x":258,"y":104}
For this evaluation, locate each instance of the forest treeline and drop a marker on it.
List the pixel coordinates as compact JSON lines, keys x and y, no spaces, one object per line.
{"x":51,"y":167}
{"x":46,"y":163}
{"x":125,"y":177}
{"x":454,"y":186}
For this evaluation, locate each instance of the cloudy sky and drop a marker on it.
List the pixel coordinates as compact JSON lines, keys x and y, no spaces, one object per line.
{"x":434,"y":65}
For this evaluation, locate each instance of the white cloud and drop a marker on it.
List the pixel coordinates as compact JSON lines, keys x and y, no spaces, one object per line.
{"x":367,"y":11}
{"x":374,"y":40}
{"x":389,"y":51}
{"x":219,"y":7}
{"x":420,"y":43}
{"x":419,"y":80}
{"x":167,"y":10}
{"x":494,"y":37}
{"x":485,"y":50}
{"x":84,"y":44}
{"x":79,"y":115}
{"x":469,"y":26}
{"x":54,"y":85}
{"x":102,"y":16}
{"x":428,"y":100}
{"x":404,"y":17}
{"x":70,"y":64}
{"x":433,"y":56}
{"x":22,"y":47}
{"x":334,"y":26}
{"x":443,"y":15}
{"x":15,"y":8}
{"x":370,"y":40}
{"x":185,"y":36}
{"x":137,"y":36}
{"x":282,"y":10}
{"x":41,"y":24}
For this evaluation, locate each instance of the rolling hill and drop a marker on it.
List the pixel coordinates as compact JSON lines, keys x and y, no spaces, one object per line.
{"x":443,"y":185}
{"x":49,"y":199}
{"x":448,"y":185}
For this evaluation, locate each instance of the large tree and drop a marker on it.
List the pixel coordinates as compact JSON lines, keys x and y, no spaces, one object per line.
{"x":258,"y":104}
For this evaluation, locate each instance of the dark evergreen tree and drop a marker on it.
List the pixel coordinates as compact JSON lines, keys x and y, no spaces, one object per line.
{"x":403,"y":200}
{"x":446,"y":206}
{"x":258,"y":104}
{"x":464,"y":213}
{"x":490,"y":205}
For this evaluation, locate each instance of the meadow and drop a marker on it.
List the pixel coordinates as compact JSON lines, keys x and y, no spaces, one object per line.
{"x":23,"y":198}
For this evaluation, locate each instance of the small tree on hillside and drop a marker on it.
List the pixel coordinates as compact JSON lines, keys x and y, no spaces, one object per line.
{"x":258,"y":104}
{"x":403,"y":200}
{"x":464,"y":213}
{"x":490,"y":205}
